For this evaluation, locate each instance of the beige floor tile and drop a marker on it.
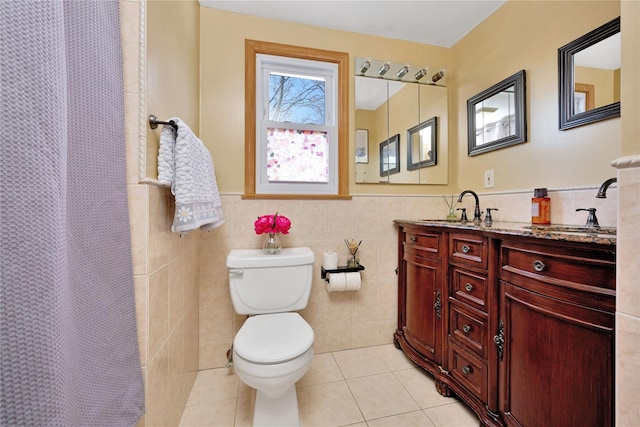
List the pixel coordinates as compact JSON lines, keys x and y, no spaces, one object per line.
{"x":452,"y":415}
{"x":323,"y":369}
{"x":327,"y":405}
{"x":213,"y":385}
{"x":360,"y":362}
{"x":421,"y":386}
{"x":395,"y":359}
{"x":215,"y":414}
{"x":381,"y":396}
{"x":244,"y":411}
{"x":410,"y":419}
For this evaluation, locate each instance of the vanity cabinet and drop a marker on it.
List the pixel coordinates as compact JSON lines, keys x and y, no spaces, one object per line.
{"x":422,"y":311}
{"x":521,"y":328}
{"x":557,"y":316}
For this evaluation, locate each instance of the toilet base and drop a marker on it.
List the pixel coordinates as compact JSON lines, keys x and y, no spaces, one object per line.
{"x":279,"y":412}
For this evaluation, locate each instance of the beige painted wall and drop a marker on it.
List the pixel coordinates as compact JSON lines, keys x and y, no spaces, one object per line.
{"x":630,"y":93}
{"x":222,"y":81}
{"x":526,"y":35}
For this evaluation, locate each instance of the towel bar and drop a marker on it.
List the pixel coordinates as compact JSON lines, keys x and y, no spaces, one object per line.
{"x":154,"y":122}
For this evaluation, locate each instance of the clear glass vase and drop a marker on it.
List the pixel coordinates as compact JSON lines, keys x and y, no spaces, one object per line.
{"x":272,"y":244}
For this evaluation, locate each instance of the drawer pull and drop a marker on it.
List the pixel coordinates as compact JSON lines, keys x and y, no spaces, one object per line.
{"x":468,"y":287}
{"x":539,"y":266}
{"x":466,"y":370}
{"x":466,"y":249}
{"x":412,"y":239}
{"x":466,"y":329}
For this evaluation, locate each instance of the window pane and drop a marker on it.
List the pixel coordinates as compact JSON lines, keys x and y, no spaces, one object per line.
{"x":297,"y":155}
{"x":296,"y":99}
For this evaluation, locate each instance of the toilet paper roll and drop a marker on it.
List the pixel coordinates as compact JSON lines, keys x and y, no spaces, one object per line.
{"x":344,"y":282}
{"x":337,"y":282}
{"x":330,"y":260}
{"x":353,"y":281}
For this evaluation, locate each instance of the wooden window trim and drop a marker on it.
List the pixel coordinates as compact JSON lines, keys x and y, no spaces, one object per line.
{"x":254,"y":47}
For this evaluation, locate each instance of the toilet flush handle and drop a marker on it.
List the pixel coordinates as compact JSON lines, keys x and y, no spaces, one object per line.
{"x":236,"y":272}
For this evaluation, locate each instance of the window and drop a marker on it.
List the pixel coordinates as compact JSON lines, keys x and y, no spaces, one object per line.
{"x":296,"y":142}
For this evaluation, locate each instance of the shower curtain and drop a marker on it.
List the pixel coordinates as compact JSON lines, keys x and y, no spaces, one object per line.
{"x":69,"y":349}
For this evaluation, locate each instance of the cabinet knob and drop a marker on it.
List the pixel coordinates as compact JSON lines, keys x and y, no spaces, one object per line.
{"x":466,"y":249}
{"x":413,"y":239}
{"x":468,"y":287}
{"x":466,"y":329}
{"x":466,"y":370}
{"x":539,"y":266}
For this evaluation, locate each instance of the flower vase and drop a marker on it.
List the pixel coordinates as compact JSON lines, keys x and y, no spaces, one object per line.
{"x":272,"y":244}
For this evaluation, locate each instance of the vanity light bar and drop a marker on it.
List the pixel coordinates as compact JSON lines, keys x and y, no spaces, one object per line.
{"x":400,"y":72}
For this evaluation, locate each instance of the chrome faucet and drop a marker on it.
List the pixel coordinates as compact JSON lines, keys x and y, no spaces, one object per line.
{"x":602,"y":192}
{"x":477,"y":215}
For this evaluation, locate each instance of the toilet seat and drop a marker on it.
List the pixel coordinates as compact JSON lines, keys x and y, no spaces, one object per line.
{"x":273,"y":338}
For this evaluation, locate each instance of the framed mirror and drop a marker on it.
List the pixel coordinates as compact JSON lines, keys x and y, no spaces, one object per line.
{"x":496,"y":117}
{"x":390,"y":156}
{"x":422,"y":145}
{"x":589,"y":77}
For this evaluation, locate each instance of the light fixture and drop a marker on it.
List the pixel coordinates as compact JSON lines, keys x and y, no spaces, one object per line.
{"x":365,"y":66}
{"x":421,"y":73}
{"x":437,"y":76}
{"x":383,"y":70}
{"x":404,"y":70}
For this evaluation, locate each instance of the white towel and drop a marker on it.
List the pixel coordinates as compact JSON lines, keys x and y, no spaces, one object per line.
{"x":166,"y":154}
{"x":193,"y":182}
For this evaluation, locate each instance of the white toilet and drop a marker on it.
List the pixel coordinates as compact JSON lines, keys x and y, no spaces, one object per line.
{"x":274,"y":347}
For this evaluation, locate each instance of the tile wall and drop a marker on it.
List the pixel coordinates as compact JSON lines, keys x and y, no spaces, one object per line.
{"x":346,"y":320}
{"x":165,"y":265}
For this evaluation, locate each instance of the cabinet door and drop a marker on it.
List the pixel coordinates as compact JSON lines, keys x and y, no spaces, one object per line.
{"x":424,"y":306}
{"x":557,"y":364}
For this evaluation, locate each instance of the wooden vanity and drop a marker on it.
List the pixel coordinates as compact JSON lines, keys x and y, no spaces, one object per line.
{"x":518,"y":323}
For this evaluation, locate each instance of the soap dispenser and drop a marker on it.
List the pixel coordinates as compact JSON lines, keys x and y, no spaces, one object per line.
{"x":540,"y":207}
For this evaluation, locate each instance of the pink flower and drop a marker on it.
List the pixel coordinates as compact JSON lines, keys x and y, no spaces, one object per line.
{"x":272,"y":224}
{"x":283,"y":224}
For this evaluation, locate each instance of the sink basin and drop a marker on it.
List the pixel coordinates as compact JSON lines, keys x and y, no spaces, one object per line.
{"x":572,"y":229}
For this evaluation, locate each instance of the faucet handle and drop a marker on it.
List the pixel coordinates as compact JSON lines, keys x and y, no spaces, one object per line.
{"x":487,"y":218}
{"x":463,"y":217}
{"x":592,"y":220}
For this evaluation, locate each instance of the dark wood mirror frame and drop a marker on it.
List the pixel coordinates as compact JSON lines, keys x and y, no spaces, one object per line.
{"x":390,"y":145}
{"x":520,"y":134}
{"x":413,"y":164}
{"x":566,"y":83}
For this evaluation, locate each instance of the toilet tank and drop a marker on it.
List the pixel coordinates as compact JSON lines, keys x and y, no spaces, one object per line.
{"x":261,"y":283}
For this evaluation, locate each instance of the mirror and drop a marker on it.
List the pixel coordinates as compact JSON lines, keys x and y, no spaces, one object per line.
{"x":589,"y":77}
{"x":496,"y":117}
{"x":394,"y":107}
{"x":422,"y":145}
{"x":390,"y":156}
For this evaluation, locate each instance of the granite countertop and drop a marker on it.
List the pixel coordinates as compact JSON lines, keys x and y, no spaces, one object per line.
{"x":567,"y":233}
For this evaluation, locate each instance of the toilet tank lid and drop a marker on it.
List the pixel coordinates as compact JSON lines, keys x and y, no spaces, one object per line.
{"x":252,"y":258}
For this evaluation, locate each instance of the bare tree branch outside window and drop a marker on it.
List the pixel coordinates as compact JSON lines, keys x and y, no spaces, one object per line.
{"x":296,"y":99}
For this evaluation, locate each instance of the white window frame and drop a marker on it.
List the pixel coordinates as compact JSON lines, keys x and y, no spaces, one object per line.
{"x":267,"y":64}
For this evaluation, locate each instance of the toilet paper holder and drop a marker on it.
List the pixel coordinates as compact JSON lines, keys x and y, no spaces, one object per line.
{"x":340,"y":269}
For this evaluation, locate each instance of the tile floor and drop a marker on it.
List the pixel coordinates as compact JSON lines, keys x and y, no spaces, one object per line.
{"x":366,"y":387}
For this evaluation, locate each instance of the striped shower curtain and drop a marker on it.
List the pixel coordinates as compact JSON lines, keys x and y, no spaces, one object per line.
{"x":69,"y":354}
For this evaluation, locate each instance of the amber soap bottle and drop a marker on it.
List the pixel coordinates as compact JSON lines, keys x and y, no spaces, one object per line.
{"x":540,"y":207}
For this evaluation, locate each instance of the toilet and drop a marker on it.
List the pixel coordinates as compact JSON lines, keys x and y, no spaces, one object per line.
{"x":274,"y":347}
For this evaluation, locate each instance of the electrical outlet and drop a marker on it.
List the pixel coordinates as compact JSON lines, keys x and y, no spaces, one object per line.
{"x":489,"y":181}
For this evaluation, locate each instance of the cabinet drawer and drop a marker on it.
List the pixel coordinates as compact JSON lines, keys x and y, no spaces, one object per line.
{"x":469,"y":370}
{"x":469,"y":249}
{"x":469,"y":327}
{"x":469,"y":287}
{"x":423,"y":240}
{"x":574,"y":268}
